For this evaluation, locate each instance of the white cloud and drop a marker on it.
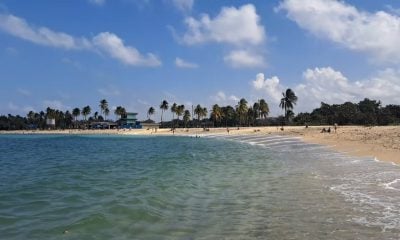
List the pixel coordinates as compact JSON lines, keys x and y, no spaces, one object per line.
{"x":115,"y":47}
{"x":55,"y":104}
{"x":11,"y":51}
{"x":109,"y":91}
{"x":183,"y":5}
{"x":244,"y":59}
{"x":222,"y":99}
{"x":24,"y":92}
{"x":104,"y":42}
{"x":392,"y":9}
{"x":27,"y":109}
{"x":184,"y":64}
{"x":237,"y":26}
{"x":11,"y":106}
{"x":98,"y":2}
{"x":332,"y":87}
{"x":18,"y":27}
{"x":143,"y":102}
{"x":270,"y":86}
{"x":377,"y":34}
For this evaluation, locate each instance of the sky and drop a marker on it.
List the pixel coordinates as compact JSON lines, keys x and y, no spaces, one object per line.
{"x":136,"y":53}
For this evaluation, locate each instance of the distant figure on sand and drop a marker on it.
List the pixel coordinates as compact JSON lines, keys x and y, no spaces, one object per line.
{"x":326,"y":131}
{"x":335,"y":126}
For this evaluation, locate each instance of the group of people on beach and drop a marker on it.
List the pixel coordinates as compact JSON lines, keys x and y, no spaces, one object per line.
{"x":329,"y":129}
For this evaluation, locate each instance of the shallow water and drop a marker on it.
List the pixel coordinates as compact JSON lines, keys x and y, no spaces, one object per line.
{"x":219,"y":187}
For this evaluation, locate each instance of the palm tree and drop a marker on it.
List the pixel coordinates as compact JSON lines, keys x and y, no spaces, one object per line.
{"x":76,"y":112}
{"x":289,"y":99}
{"x":95,"y":115}
{"x":150,"y":112}
{"x":103,"y":105}
{"x":186,"y":117}
{"x":120,"y":111}
{"x":106,"y":112}
{"x":216,"y":113}
{"x":204,"y":112}
{"x":163,"y":107}
{"x":197,"y":111}
{"x":31,"y":116}
{"x":86,"y":111}
{"x":290,"y":114}
{"x":264,"y":109}
{"x":179,"y":110}
{"x":228,"y":114}
{"x":256,"y":109}
{"x":173,"y":110}
{"x":242,"y":109}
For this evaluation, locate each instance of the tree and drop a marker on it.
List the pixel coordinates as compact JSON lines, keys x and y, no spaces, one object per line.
{"x":216,"y":114}
{"x":204,"y":112}
{"x":264,"y":109}
{"x":173,"y":110}
{"x":242,"y":110}
{"x":179,"y":110}
{"x":163,"y":107}
{"x":150,"y":112}
{"x":186,"y":117}
{"x":120,"y":111}
{"x":228,"y":115}
{"x":76,"y":112}
{"x":288,"y":100}
{"x":106,"y":113}
{"x":198,"y":111}
{"x":256,"y":110}
{"x":103,"y":106}
{"x":86,"y":111}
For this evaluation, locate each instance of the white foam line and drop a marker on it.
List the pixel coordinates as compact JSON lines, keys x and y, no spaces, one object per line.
{"x":245,"y":137}
{"x":280,"y":142}
{"x":274,"y":140}
{"x":388,"y":185}
{"x":300,"y":144}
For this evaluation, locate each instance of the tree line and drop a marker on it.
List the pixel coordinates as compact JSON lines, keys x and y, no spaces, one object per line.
{"x":366,"y":112}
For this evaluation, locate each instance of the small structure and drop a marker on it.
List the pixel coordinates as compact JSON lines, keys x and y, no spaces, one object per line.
{"x":150,"y":124}
{"x":103,"y":125}
{"x":51,"y":123}
{"x":129,"y":120}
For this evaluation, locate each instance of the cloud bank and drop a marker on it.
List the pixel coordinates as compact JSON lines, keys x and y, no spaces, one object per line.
{"x":239,"y":28}
{"x":331,"y":86}
{"x":376,"y":34}
{"x":105,"y":42}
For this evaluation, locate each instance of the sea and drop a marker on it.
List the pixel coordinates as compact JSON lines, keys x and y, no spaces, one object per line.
{"x":187,"y":187}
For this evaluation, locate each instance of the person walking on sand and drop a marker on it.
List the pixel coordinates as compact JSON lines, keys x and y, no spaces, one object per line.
{"x":335,"y":126}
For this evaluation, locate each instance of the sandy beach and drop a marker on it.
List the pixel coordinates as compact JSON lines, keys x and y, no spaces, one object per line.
{"x":382,"y":142}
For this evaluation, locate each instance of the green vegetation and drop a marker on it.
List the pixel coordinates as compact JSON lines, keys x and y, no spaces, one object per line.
{"x":366,"y":112}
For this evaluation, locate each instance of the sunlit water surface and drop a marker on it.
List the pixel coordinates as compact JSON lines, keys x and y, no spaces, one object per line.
{"x":216,"y":187}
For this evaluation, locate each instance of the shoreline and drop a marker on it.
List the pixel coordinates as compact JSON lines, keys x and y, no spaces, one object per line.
{"x":381,"y":142}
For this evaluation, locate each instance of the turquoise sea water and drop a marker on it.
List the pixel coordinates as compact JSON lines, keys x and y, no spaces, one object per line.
{"x":219,"y":187}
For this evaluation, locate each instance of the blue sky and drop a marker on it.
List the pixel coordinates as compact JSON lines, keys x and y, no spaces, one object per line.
{"x":135,"y":53}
